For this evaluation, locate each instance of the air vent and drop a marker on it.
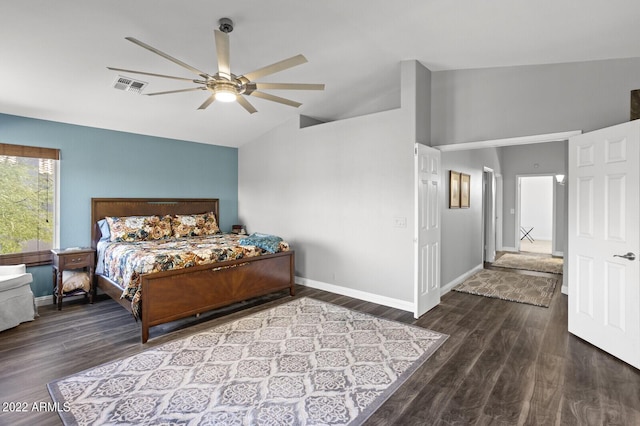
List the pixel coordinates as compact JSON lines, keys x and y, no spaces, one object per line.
{"x":129,"y":84}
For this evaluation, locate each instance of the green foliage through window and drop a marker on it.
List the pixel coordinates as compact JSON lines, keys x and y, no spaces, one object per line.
{"x":27,"y":194}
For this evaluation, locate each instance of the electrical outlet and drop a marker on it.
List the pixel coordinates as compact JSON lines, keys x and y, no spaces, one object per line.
{"x":400,"y":222}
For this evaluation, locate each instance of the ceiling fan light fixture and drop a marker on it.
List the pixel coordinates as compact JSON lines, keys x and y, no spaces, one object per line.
{"x":225,"y":92}
{"x":225,"y":86}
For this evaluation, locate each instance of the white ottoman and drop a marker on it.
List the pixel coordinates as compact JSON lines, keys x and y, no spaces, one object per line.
{"x":17,"y":303}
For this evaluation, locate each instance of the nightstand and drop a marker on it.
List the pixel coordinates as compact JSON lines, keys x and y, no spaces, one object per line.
{"x":72,"y":259}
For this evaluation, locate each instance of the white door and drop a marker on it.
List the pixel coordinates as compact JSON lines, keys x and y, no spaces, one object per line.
{"x":427,"y":239}
{"x":604,"y":282}
{"x":489,"y":201}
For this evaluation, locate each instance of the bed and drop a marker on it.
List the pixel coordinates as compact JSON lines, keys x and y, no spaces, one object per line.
{"x":170,"y":295}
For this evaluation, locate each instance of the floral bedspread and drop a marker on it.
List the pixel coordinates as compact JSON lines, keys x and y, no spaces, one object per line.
{"x":124,"y":262}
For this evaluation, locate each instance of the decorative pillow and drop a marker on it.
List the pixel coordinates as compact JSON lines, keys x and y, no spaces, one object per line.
{"x":192,"y":225}
{"x":74,"y":280}
{"x":210,"y":226}
{"x":104,"y":230}
{"x":135,"y":228}
{"x":161,"y":229}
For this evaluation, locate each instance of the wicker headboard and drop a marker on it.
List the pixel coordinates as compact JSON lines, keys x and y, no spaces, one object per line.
{"x":103,"y":207}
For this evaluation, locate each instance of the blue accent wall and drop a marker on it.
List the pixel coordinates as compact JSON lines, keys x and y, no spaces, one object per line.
{"x":106,"y":163}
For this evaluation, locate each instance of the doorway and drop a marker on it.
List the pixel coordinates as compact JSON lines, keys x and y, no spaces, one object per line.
{"x":489,"y":218}
{"x":536,"y":206}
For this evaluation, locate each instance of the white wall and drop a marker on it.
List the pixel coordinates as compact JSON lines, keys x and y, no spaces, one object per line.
{"x":536,"y":206}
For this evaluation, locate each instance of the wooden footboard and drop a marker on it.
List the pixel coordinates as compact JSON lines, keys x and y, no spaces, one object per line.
{"x":171,"y":295}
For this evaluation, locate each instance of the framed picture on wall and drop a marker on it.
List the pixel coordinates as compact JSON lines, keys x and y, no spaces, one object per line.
{"x":465,"y":189}
{"x":454,"y":189}
{"x":635,"y":105}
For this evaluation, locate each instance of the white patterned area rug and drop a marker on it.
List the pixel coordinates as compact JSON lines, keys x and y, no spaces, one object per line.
{"x":305,"y":362}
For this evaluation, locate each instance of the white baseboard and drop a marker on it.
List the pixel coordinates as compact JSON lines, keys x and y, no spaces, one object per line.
{"x":514,"y":250}
{"x":451,"y":284}
{"x":48,"y":300}
{"x":357,"y":294}
{"x":44,"y":300}
{"x":565,"y":290}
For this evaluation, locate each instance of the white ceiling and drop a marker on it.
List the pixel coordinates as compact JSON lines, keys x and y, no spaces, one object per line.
{"x":54,"y":54}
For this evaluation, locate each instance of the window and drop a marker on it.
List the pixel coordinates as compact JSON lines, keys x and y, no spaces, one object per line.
{"x":28,"y":182}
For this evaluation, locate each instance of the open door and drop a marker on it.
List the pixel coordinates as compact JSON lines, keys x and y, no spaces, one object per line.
{"x":604,"y":239}
{"x":427,"y":232}
{"x":489,"y":215}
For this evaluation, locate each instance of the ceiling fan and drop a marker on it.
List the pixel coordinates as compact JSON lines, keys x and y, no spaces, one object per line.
{"x":225,"y":86}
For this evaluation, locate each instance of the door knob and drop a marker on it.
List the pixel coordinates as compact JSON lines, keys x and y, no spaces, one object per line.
{"x":628,"y":256}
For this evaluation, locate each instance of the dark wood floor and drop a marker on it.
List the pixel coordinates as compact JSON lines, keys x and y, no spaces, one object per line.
{"x":505,"y":363}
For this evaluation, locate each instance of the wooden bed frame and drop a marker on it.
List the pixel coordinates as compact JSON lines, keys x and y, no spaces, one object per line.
{"x":171,"y":295}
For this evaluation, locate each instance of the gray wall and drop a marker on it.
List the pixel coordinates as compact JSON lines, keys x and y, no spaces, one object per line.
{"x":336,"y":190}
{"x":495,"y":103}
{"x":333,"y":191}
{"x":534,"y":159}
{"x":416,"y":99}
{"x":462,"y":228}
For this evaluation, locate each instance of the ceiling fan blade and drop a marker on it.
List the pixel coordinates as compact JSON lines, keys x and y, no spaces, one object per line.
{"x":208,"y":102}
{"x":176,"y":91}
{"x":169,"y":57}
{"x":274,"y":98}
{"x":246,"y":105}
{"x":155,"y":75}
{"x":289,"y":86}
{"x":222,"y":49}
{"x":277,"y":67}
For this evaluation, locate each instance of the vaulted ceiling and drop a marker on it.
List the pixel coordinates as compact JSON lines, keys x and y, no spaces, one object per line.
{"x":54,"y":54}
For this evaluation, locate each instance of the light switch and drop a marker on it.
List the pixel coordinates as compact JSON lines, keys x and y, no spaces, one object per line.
{"x":400,"y":222}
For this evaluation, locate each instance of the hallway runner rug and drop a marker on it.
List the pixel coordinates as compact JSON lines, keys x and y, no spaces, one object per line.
{"x":510,"y":286}
{"x":526,"y":262}
{"x":305,"y":362}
